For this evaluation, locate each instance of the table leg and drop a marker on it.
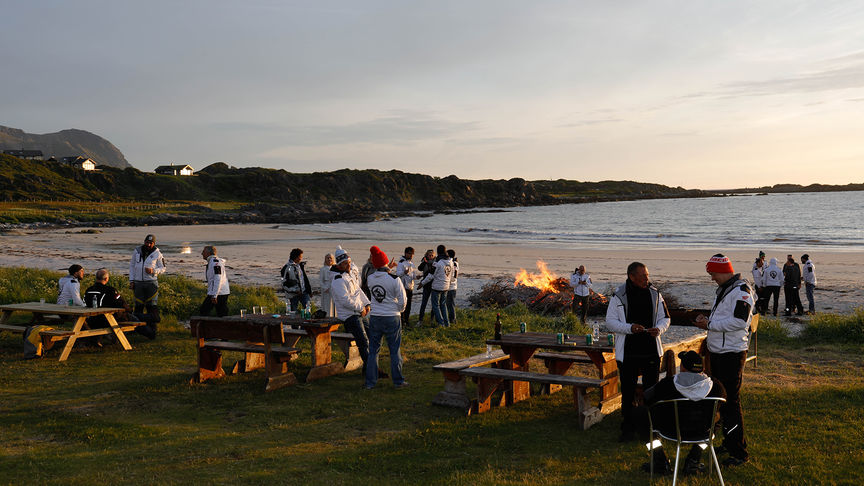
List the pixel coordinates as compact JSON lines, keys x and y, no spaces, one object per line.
{"x":70,"y":342}
{"x":517,"y":391}
{"x":5,"y":317}
{"x":322,"y":354}
{"x":607,"y":368}
{"x":121,"y":336}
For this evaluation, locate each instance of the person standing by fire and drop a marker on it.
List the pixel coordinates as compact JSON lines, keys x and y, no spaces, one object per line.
{"x":581,"y":283}
{"x":637,"y":314}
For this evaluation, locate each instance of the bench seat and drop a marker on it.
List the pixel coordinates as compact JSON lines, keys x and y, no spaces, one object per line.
{"x":345,"y":341}
{"x":455,"y":394}
{"x":560,"y":364}
{"x":249,"y":347}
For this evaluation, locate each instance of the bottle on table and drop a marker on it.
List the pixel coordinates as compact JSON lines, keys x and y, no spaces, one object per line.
{"x":498,"y":326}
{"x":596,"y":332}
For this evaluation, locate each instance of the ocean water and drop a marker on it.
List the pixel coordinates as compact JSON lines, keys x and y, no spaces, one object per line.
{"x":827,"y":220}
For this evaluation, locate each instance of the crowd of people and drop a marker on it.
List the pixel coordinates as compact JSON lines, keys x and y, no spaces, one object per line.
{"x":769,"y":278}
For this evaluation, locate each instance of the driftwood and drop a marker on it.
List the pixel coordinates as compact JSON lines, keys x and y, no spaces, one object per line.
{"x":501,"y":292}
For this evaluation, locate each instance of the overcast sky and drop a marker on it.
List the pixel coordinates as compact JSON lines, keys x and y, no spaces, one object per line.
{"x":693,"y":93}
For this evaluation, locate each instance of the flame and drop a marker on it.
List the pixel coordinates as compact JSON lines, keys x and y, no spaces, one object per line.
{"x":542,"y":281}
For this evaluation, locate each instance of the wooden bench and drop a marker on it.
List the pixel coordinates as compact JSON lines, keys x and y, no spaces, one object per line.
{"x":345,"y":341}
{"x":245,"y":337}
{"x":560,"y":364}
{"x":455,"y":394}
{"x":49,"y":337}
{"x":489,"y":379}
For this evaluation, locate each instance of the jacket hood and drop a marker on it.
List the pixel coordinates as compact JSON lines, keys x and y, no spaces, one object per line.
{"x":694,"y":386}
{"x":772,"y":261}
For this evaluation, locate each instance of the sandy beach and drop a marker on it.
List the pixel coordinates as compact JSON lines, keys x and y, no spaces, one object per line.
{"x":255,"y":253}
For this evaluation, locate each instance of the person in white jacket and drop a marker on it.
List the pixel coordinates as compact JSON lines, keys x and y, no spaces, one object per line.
{"x":218,"y":289}
{"x":809,"y":281}
{"x":637,"y":314}
{"x":406,"y":272}
{"x":350,"y":303}
{"x":758,"y":272}
{"x":581,"y":283}
{"x":146,"y":265}
{"x":773,"y":278}
{"x":70,"y":287}
{"x":440,"y":279}
{"x":451,"y":290}
{"x":728,"y":328}
{"x":388,"y":301}
{"x":326,"y":278}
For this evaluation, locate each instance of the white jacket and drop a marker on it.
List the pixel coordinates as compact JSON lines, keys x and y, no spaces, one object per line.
{"x":440,"y":277}
{"x":758,"y":275}
{"x":809,"y":273}
{"x":773,"y":275}
{"x":729,"y":322}
{"x":581,"y":289}
{"x":348,"y":299}
{"x":616,"y":319}
{"x":405,"y":270}
{"x":138,"y":263}
{"x":70,"y":288}
{"x":453,"y":278}
{"x":216,"y":276}
{"x":388,"y":294}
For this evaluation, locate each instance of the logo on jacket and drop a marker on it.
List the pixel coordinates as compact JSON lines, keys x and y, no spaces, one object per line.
{"x":773,"y":274}
{"x":378,"y":293}
{"x":447,"y":271}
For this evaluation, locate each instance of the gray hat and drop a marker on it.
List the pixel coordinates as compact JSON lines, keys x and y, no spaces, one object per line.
{"x":341,"y":255}
{"x":149,"y":238}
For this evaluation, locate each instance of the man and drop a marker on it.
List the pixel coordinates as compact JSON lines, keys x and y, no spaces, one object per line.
{"x":426,"y":268}
{"x":350,"y":302}
{"x":728,"y":329}
{"x":405,"y":271}
{"x":70,"y":287}
{"x":690,"y":383}
{"x":217,"y":283}
{"x":451,"y":289}
{"x":440,"y":280}
{"x":100,"y":294}
{"x":146,"y":264}
{"x":294,"y":280}
{"x":809,"y":282}
{"x":791,"y":285}
{"x":637,"y":314}
{"x":773,"y":277}
{"x":758,"y":272}
{"x":581,"y":283}
{"x":387,"y":304}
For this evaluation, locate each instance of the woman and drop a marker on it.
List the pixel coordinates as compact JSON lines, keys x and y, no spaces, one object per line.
{"x":324,"y":275}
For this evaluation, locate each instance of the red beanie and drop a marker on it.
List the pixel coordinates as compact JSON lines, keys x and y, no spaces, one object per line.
{"x":719,"y":264}
{"x":379,"y":258}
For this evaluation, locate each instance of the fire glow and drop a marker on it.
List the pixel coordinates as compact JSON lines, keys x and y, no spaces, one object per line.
{"x":545,"y":281}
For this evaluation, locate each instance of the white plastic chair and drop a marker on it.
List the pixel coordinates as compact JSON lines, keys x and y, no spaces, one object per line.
{"x":696,"y":433}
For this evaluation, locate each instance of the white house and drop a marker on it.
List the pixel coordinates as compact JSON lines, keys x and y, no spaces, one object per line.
{"x":79,"y":162}
{"x":171,"y":169}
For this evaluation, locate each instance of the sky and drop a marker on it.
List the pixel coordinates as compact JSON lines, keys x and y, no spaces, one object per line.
{"x":694,"y":93}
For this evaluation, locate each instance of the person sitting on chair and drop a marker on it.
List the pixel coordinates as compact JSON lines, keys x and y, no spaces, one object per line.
{"x":689,"y":383}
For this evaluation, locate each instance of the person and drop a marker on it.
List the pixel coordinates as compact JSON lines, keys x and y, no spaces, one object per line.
{"x":728,"y":328}
{"x":405,"y":271}
{"x":440,"y":280}
{"x":690,"y":383}
{"x":451,"y":290}
{"x":426,"y":267}
{"x":581,"y":283}
{"x":809,"y":282}
{"x":326,"y":278}
{"x":100,"y":294}
{"x":387,"y":304}
{"x":791,"y":285}
{"x":773,"y":278}
{"x":758,"y":272}
{"x":637,"y":314}
{"x":349,"y":301}
{"x":146,"y":265}
{"x":70,"y":286}
{"x":218,"y":289}
{"x":294,"y":280}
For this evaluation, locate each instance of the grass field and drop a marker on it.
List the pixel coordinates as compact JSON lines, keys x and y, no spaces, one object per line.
{"x":111,"y":417}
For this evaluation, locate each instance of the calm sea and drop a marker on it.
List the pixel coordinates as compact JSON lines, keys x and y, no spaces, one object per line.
{"x":805,"y":220}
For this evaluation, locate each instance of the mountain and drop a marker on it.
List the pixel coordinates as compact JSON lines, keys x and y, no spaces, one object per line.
{"x":64,"y":143}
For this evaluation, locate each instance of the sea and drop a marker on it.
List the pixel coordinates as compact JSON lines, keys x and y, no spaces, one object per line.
{"x":827,"y":220}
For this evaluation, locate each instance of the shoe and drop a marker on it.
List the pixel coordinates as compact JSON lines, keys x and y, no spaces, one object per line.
{"x":733,"y":461}
{"x":659,"y":469}
{"x":692,"y":466}
{"x":401,"y":385}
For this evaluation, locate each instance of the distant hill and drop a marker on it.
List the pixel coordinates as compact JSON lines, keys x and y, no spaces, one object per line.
{"x":64,"y":143}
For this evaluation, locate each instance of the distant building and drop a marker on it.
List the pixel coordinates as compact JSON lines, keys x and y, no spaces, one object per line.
{"x":173,"y":170}
{"x":79,"y":162}
{"x":25,"y":154}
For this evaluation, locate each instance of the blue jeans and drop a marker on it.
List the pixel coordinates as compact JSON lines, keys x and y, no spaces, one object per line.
{"x":439,"y":307}
{"x":427,"y":291}
{"x":299,"y":299}
{"x":809,"y":289}
{"x":389,"y":327}
{"x":356,"y":327}
{"x":451,"y":306}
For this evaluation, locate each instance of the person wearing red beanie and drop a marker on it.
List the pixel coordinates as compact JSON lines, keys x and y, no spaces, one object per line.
{"x":379,"y":258}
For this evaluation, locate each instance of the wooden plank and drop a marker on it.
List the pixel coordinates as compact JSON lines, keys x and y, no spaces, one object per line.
{"x":515,"y":375}
{"x":11,"y":328}
{"x":473,"y":361}
{"x":248,"y":347}
{"x":573,"y":358}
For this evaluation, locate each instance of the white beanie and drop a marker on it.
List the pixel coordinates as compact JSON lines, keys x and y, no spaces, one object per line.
{"x":341,"y":255}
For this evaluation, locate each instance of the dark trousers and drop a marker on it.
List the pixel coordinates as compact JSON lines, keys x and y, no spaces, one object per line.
{"x":793,"y":300}
{"x":628,"y":372}
{"x":580,"y":305}
{"x":299,"y":299}
{"x":728,"y":368}
{"x":761,"y":304}
{"x":775,"y":291}
{"x":406,"y":314}
{"x":221,"y":305}
{"x":427,"y":291}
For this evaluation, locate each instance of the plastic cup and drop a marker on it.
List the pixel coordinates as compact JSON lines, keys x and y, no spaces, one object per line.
{"x":242,"y":313}
{"x":263,"y":311}
{"x":256,"y":310}
{"x":488,"y":350}
{"x":41,"y":301}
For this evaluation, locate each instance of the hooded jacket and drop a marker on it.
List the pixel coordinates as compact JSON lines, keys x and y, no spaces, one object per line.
{"x":694,"y":386}
{"x":616,"y":318}
{"x":140,"y":261}
{"x":70,"y":289}
{"x":440,"y":276}
{"x":348,"y":299}
{"x":405,"y":271}
{"x":809,"y":274}
{"x":729,"y":321}
{"x":773,"y":275}
{"x":216,"y":276}
{"x":758,"y":275}
{"x":387,"y":294}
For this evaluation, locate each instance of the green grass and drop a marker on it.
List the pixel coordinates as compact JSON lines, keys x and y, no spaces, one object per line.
{"x":112,"y":417}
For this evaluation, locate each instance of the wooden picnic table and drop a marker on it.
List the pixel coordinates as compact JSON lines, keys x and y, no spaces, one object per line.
{"x":80,"y":314}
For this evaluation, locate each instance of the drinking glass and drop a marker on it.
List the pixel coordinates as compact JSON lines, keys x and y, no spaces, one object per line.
{"x":263,"y":311}
{"x":41,"y":301}
{"x":242,"y":313}
{"x":256,"y":310}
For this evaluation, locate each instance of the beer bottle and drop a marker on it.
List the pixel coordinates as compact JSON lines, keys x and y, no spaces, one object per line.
{"x":498,"y":326}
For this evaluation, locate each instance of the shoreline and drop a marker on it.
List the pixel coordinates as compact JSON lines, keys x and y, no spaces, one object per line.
{"x":256,"y":252}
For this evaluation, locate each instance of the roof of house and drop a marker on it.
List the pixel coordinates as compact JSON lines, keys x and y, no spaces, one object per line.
{"x":173,"y":167}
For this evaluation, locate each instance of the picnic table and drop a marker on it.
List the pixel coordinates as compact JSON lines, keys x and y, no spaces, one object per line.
{"x":80,"y":314}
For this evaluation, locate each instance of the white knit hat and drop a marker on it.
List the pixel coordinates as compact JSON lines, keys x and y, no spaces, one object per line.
{"x":341,"y":255}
